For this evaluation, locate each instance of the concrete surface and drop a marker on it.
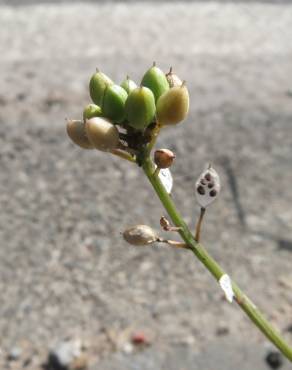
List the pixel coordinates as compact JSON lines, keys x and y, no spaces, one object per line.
{"x":64,"y":270}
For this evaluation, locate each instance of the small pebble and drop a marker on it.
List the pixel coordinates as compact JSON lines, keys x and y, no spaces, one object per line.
{"x":139,"y":338}
{"x":274,"y":359}
{"x":14,"y":354}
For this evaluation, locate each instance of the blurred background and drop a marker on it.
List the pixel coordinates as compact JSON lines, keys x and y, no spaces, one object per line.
{"x":71,"y":289}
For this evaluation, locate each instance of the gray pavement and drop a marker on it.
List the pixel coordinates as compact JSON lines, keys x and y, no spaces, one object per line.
{"x":64,"y":270}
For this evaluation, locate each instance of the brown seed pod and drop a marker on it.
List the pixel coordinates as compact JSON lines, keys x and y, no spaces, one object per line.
{"x":163,"y":158}
{"x":76,"y":132}
{"x":140,"y":235}
{"x":102,"y":133}
{"x":173,"y":105}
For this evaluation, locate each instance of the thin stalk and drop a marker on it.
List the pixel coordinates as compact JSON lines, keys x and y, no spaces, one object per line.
{"x":215,"y":269}
{"x":199,"y":225}
{"x":123,"y":154}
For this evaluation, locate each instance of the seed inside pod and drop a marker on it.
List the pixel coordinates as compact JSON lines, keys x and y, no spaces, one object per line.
{"x":213,"y":193}
{"x":140,"y":235}
{"x":98,"y":82}
{"x":163,"y":158}
{"x":102,"y":134}
{"x":76,"y":132}
{"x":173,"y":106}
{"x":156,"y":81}
{"x":140,"y":108}
{"x":201,"y":190}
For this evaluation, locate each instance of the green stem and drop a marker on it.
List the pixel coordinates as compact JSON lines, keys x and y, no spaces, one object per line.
{"x":243,"y":301}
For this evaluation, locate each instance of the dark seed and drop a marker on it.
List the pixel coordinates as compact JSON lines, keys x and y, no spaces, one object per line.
{"x":211,"y":185}
{"x":208,"y":176}
{"x":203,"y":182}
{"x":213,"y":193}
{"x":274,"y":360}
{"x":201,"y":190}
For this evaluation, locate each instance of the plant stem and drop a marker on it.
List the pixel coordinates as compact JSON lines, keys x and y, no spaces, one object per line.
{"x":215,"y":269}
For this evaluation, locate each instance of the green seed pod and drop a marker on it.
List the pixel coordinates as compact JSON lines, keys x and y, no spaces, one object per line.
{"x":173,"y":79}
{"x":140,"y":108}
{"x":156,"y":81}
{"x":91,"y":110}
{"x":113,"y":105}
{"x":140,"y":235}
{"x":102,"y":133}
{"x":173,"y":106}
{"x":76,"y":132}
{"x":98,"y":82}
{"x":128,"y":85}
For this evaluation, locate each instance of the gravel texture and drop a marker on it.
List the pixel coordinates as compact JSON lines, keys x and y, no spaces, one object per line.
{"x":64,"y":268}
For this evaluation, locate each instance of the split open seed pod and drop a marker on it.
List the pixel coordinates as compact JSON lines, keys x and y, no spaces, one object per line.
{"x":207,"y":187}
{"x":77,"y":133}
{"x":156,"y":81}
{"x":102,"y":134}
{"x":173,"y":105}
{"x":140,"y":235}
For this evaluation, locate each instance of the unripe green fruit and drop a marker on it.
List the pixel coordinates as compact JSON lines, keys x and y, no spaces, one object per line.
{"x":173,"y":106}
{"x":140,"y":235}
{"x":76,"y":132}
{"x":98,"y":83}
{"x":113,"y":105}
{"x":128,"y":85}
{"x":140,"y":108}
{"x":156,"y":81}
{"x":91,"y":110}
{"x":102,"y":134}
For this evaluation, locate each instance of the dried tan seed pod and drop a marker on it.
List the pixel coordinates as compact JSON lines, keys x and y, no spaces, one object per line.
{"x":140,"y":235}
{"x":173,"y":79}
{"x":102,"y":133}
{"x":173,"y":105}
{"x":164,"y":223}
{"x":163,"y":158}
{"x":76,"y":132}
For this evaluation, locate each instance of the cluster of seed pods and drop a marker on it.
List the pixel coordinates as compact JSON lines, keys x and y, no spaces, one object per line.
{"x":124,"y":116}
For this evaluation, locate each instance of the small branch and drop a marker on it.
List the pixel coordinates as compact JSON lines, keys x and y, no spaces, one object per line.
{"x":215,"y":269}
{"x":173,"y":243}
{"x":122,"y":154}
